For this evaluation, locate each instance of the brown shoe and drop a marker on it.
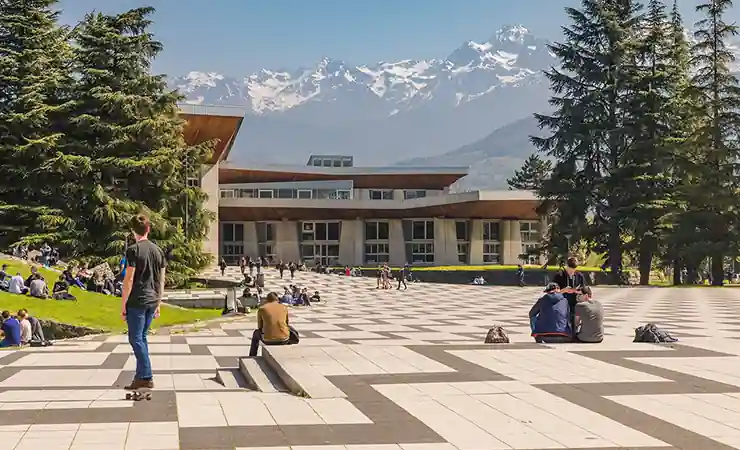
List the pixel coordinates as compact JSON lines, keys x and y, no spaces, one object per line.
{"x":140,"y":384}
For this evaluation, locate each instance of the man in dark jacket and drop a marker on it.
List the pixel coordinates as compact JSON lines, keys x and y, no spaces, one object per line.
{"x":550,"y":317}
{"x":570,"y":281}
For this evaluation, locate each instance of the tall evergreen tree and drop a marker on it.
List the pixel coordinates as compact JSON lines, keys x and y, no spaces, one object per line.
{"x":33,"y":51}
{"x":125,"y":151}
{"x":588,"y":137}
{"x":532,"y":173}
{"x":717,"y":136}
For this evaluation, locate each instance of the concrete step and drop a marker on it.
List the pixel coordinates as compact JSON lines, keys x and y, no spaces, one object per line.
{"x":231,"y":379}
{"x":259,"y":376}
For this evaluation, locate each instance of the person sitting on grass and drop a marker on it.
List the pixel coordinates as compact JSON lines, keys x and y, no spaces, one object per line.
{"x":550,"y":317}
{"x":11,"y":331}
{"x":61,"y":290}
{"x":26,"y":331}
{"x":38,"y":287}
{"x":272,"y":325}
{"x":31,"y":277}
{"x":37,"y":332}
{"x":4,"y":272}
{"x":16,"y":285}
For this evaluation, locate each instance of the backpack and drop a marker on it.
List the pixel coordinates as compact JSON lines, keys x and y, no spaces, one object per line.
{"x":497,"y":335}
{"x":652,"y":334}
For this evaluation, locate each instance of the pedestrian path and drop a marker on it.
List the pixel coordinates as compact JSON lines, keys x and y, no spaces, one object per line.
{"x":398,"y":370}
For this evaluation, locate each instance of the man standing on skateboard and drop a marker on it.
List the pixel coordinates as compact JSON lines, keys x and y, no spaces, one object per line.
{"x":143,"y":287}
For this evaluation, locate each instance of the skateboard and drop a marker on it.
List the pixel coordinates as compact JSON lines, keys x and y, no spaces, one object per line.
{"x":139,"y":394}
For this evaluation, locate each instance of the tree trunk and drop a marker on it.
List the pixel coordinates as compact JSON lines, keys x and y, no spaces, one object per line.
{"x":718,"y":269}
{"x":646,"y":260}
{"x":692,"y":271}
{"x":677,"y":268}
{"x":615,"y":254}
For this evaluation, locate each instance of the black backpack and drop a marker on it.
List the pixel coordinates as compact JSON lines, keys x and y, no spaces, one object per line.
{"x":652,"y":334}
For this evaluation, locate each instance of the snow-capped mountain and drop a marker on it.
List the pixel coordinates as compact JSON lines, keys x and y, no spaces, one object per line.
{"x":387,"y":111}
{"x":511,"y":57}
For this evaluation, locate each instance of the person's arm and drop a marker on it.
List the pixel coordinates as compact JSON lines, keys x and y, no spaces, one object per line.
{"x":259,"y":320}
{"x":534,"y":312}
{"x":128,"y":280}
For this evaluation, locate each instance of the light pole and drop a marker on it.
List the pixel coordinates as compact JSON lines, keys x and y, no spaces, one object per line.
{"x":568,"y":236}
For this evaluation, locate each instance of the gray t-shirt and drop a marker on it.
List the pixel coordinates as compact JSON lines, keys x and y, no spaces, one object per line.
{"x":591,"y":315}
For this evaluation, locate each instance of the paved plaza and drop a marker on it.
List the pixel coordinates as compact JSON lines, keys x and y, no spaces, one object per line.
{"x":384,"y":370}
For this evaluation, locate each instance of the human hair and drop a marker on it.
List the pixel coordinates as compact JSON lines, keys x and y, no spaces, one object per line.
{"x":572,"y":262}
{"x":24,"y":310}
{"x":6,"y":314}
{"x":271,"y":297}
{"x":140,"y":225}
{"x":22,"y":314}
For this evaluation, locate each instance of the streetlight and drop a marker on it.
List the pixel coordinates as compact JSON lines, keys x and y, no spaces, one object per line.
{"x":568,"y":236}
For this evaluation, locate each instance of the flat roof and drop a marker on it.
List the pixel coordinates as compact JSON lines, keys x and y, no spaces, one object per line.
{"x":401,"y":177}
{"x":464,"y":205}
{"x":205,"y":123}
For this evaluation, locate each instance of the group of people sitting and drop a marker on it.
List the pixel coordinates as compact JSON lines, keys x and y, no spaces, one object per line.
{"x":21,"y":329}
{"x":567,"y":312}
{"x":297,"y":296}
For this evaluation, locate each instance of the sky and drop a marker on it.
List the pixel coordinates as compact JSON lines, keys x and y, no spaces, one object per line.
{"x":239,"y":37}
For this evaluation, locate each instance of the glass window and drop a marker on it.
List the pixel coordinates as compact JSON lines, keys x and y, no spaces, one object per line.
{"x":265,"y":231}
{"x":317,"y":162}
{"x":422,"y":253}
{"x":245,"y":193}
{"x":266,"y":193}
{"x":343,"y":194}
{"x":307,"y":231}
{"x":307,"y":251}
{"x":326,"y":163}
{"x":227,"y":193}
{"x":239,"y":232}
{"x":376,"y":231}
{"x":321,"y":232}
{"x":333,"y":231}
{"x":337,"y":163}
{"x":376,"y":253}
{"x":422,"y":230}
{"x":529,"y":253}
{"x":305,"y":193}
{"x":530,"y":231}
{"x":285,"y":193}
{"x":227,"y":232}
{"x":193,"y":181}
{"x":408,"y":195}
{"x":378,"y":194}
{"x":461,"y":229}
{"x":491,"y":231}
{"x":492,"y":253}
{"x":462,"y":253}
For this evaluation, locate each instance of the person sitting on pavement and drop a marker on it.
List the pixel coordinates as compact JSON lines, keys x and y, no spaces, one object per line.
{"x":589,"y":318}
{"x":550,"y":317}
{"x":570,"y":281}
{"x":303,"y":298}
{"x":11,"y":331}
{"x":272,"y":325}
{"x":316,"y":297}
{"x":16,"y":285}
{"x":287,"y":298}
{"x":38,"y":287}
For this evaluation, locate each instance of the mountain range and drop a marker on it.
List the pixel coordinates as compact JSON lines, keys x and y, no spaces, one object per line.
{"x":414,"y":112}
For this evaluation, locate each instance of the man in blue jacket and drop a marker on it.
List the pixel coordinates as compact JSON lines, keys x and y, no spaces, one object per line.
{"x":550,"y":317}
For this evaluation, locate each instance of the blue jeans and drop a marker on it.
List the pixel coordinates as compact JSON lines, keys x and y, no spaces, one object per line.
{"x":138,"y":321}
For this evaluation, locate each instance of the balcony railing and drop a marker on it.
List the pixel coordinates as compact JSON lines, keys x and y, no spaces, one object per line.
{"x":288,"y":194}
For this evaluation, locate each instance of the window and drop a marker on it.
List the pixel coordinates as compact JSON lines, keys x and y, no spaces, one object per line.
{"x":265,"y":232}
{"x":232,"y":252}
{"x":267,"y":251}
{"x":422,"y":230}
{"x":492,"y":253}
{"x":462,"y":253}
{"x":530,"y":231}
{"x":227,"y":193}
{"x":343,"y":194}
{"x":305,"y":193}
{"x":408,"y":195}
{"x":386,"y":194}
{"x":232,"y":232}
{"x":266,"y":193}
{"x":376,"y":253}
{"x":376,"y":231}
{"x":326,"y":163}
{"x":320,"y":231}
{"x":285,"y":193}
{"x":491,"y":231}
{"x":529,"y":253}
{"x":462,"y":230}
{"x":347,"y":162}
{"x":245,"y":193}
{"x":193,"y":181}
{"x":337,"y":163}
{"x":422,"y":253}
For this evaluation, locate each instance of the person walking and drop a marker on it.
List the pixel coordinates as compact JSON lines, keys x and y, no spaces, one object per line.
{"x":402,"y":274}
{"x":143,"y":287}
{"x":222,"y":265}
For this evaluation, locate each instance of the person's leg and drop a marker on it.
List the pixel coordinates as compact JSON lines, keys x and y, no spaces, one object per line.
{"x":294,"y":337}
{"x":256,"y":338}
{"x":135,"y":320}
{"x":147,"y":368}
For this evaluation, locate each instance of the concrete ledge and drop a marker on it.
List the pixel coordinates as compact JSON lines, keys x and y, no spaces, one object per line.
{"x":259,"y":376}
{"x":195,"y":303}
{"x":298,"y":376}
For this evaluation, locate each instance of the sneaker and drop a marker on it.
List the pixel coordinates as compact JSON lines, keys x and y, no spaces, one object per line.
{"x":140,"y":384}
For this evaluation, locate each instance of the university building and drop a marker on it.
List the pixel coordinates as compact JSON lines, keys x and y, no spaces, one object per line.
{"x":335,"y":213}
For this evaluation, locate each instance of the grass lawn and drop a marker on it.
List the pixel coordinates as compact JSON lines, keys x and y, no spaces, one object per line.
{"x":91,"y":309}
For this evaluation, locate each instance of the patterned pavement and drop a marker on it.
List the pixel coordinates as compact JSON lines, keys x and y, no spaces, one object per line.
{"x":399,"y":370}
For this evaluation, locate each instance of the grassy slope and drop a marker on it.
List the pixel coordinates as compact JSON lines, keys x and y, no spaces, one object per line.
{"x":91,"y":309}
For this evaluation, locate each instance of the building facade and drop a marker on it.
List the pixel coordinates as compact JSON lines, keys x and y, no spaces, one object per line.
{"x":334,"y":213}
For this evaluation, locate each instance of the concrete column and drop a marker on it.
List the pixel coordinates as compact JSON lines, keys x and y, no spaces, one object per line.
{"x":287,"y":246}
{"x":512,"y":244}
{"x":250,"y":239}
{"x":351,"y":243}
{"x":476,"y":242}
{"x":445,"y":242}
{"x":396,"y":242}
{"x":209,"y":185}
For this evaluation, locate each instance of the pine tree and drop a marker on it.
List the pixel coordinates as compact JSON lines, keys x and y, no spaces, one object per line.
{"x":587,"y":126}
{"x":716,"y":136}
{"x":33,"y":51}
{"x":647,"y":163}
{"x":531,"y":175}
{"x":125,"y":151}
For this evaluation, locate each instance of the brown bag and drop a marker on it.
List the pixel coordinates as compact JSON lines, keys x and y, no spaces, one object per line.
{"x":497,"y":335}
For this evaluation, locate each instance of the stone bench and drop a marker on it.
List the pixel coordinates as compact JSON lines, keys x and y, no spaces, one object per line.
{"x":297,"y":375}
